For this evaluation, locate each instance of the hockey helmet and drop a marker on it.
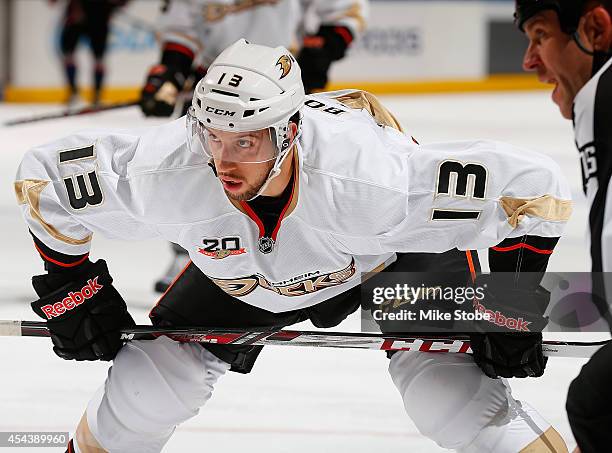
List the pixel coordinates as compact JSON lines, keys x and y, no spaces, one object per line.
{"x":569,"y":12}
{"x":248,"y":87}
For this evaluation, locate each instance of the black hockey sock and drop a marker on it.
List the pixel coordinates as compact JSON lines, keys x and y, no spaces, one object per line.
{"x":98,"y":80}
{"x":71,"y":72}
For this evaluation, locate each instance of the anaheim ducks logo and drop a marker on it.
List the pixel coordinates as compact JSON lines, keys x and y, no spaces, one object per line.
{"x":284,"y":63}
{"x":239,"y":287}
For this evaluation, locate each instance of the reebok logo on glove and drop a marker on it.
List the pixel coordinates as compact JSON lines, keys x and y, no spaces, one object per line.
{"x":497,"y":318}
{"x":73,"y":300}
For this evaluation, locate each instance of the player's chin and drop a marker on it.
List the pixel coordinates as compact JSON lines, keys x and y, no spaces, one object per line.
{"x":236,"y":196}
{"x":242,"y":195}
{"x":564,"y":100}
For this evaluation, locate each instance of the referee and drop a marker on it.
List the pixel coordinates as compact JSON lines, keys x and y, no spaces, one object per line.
{"x":570,"y":43}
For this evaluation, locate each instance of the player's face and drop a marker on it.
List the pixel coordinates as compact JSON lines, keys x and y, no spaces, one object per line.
{"x":241,"y":180}
{"x":557,"y":59}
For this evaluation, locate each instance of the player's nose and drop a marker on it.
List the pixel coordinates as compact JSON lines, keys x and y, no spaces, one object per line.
{"x":531,"y":59}
{"x":223,"y":154}
{"x":224,"y":165}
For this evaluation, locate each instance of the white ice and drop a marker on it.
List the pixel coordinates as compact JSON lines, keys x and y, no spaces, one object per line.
{"x":295,"y":400}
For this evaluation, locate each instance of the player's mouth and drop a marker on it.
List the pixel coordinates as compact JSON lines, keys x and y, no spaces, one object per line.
{"x":231,"y":184}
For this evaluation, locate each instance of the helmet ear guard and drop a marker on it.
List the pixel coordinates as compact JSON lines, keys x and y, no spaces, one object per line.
{"x":282,"y":139}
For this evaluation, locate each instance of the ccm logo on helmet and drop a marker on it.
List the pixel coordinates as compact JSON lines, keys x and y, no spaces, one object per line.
{"x":73,"y":300}
{"x":219,"y":112}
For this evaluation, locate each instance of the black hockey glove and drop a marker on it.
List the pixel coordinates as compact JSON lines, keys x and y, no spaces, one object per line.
{"x":84,"y":312}
{"x":161,"y":90}
{"x":510,"y":343}
{"x":319,"y":52}
{"x":166,"y":80}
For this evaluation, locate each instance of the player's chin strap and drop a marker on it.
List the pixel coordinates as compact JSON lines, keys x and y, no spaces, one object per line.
{"x":276,"y":169}
{"x":285,"y":148}
{"x":600,"y":57}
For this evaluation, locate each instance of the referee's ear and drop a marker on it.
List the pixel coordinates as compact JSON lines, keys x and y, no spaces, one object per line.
{"x":597,"y":27}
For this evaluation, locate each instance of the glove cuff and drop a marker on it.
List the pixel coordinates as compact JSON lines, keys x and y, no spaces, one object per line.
{"x":337,"y":39}
{"x":177,"y":57}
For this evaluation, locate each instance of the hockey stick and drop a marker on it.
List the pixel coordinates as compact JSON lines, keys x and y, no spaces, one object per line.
{"x":71,"y":112}
{"x":278,"y":337}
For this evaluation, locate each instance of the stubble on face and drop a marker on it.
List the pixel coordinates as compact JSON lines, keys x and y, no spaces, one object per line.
{"x":253,"y":179}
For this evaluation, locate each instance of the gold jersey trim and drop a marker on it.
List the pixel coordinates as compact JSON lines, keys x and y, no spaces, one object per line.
{"x":546,"y":207}
{"x":550,"y":440}
{"x":28,"y":192}
{"x":367,"y":101}
{"x":214,"y":12}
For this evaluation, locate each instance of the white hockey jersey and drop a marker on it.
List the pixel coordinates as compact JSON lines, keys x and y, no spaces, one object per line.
{"x":207,"y":27}
{"x":363,"y":190}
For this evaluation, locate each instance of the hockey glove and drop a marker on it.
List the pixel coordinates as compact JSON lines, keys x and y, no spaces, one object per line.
{"x":159,"y":95}
{"x":509,"y":344}
{"x":166,"y":80}
{"x":319,"y":52}
{"x":84,"y":312}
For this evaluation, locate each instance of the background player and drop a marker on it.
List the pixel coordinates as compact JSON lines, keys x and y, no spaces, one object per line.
{"x":194,"y":32}
{"x":282,"y":201}
{"x":89,"y":18}
{"x":570,"y":45}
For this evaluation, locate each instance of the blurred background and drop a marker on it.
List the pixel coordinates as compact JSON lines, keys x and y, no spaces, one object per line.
{"x":408,"y":47}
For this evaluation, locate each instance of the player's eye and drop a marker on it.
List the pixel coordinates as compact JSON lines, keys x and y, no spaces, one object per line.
{"x":539,"y":34}
{"x":245,"y":143}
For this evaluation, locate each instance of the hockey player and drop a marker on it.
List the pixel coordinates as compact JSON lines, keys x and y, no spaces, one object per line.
{"x":570,"y":45}
{"x":90,"y":18}
{"x":282,"y":200}
{"x":198,"y":30}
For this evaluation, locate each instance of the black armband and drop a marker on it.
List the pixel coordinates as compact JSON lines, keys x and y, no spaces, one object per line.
{"x":57,"y":262}
{"x":522,"y":254}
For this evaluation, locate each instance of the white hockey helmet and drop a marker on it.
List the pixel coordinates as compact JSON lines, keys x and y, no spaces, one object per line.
{"x":248,"y":87}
